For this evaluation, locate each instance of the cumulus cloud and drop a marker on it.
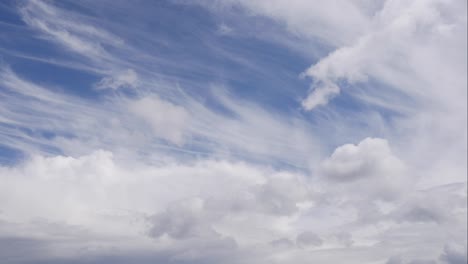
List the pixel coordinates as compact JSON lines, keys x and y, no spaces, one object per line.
{"x":367,"y":159}
{"x":406,"y":26}
{"x":181,"y":221}
{"x":282,"y":194}
{"x":370,"y":165}
{"x":120,"y":201}
{"x":190,"y":212}
{"x":430,"y":206}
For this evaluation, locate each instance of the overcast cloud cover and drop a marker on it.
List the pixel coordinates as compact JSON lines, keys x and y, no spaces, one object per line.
{"x":233,"y":131}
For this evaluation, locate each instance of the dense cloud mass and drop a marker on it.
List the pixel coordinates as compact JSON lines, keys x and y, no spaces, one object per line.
{"x":234,"y":131}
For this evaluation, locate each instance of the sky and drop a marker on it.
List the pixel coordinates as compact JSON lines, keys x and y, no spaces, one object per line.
{"x":233,"y":131}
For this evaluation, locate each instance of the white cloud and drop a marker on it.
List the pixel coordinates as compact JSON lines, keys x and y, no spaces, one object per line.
{"x":115,"y":200}
{"x":369,"y":158}
{"x":204,"y":198}
{"x":401,"y":45}
{"x":114,"y":126}
{"x":166,"y":120}
{"x":396,"y":32}
{"x":124,"y":79}
{"x":369,"y":166}
{"x":322,"y":20}
{"x":181,"y":221}
{"x":235,"y":200}
{"x":320,"y":96}
{"x":66,"y":29}
{"x":192,"y":211}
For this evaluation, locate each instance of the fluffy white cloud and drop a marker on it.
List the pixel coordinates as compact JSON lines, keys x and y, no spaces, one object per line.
{"x":369,"y":166}
{"x":178,"y":206}
{"x":369,"y":158}
{"x":207,"y":210}
{"x":398,"y":31}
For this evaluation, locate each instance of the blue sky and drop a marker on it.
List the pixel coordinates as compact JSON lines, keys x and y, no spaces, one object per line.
{"x":186,"y":45}
{"x":235,"y":131}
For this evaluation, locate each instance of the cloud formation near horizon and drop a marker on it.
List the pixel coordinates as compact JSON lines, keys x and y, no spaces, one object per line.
{"x":233,"y":132}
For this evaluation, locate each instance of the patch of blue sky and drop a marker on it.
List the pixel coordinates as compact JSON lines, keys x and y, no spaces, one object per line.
{"x":57,"y":78}
{"x":178,"y":45}
{"x":8,"y":12}
{"x":9,"y":156}
{"x":183,"y":46}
